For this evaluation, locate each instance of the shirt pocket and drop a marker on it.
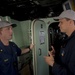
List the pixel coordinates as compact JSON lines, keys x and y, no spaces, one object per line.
{"x":5,"y":60}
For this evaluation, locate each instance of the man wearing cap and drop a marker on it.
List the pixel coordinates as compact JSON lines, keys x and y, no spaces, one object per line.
{"x":9,"y":50}
{"x":66,"y":63}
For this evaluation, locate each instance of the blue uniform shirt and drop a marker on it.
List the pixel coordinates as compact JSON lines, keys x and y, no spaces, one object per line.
{"x":8,"y":59}
{"x":66,"y":62}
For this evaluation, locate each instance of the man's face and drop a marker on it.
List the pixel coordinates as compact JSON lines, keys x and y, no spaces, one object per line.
{"x":6,"y":32}
{"x":63,"y":25}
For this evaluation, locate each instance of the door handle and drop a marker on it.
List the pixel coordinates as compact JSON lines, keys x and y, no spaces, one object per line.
{"x":40,"y":52}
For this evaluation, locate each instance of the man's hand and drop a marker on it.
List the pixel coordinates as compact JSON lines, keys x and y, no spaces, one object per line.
{"x":52,"y":51}
{"x":31,"y":46}
{"x":49,"y":59}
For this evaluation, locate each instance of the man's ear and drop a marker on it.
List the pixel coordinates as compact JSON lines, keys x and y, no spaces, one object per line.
{"x":0,"y":32}
{"x":71,"y":22}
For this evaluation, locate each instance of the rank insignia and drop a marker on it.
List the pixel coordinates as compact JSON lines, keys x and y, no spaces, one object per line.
{"x":62,"y":54}
{"x":1,"y":50}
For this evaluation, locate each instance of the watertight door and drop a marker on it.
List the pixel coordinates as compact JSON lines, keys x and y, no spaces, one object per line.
{"x":39,"y":38}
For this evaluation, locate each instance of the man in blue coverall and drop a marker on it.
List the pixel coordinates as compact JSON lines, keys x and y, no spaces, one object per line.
{"x":66,"y":63}
{"x":9,"y":50}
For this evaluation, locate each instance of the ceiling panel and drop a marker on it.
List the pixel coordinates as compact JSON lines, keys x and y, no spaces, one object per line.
{"x":30,"y":9}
